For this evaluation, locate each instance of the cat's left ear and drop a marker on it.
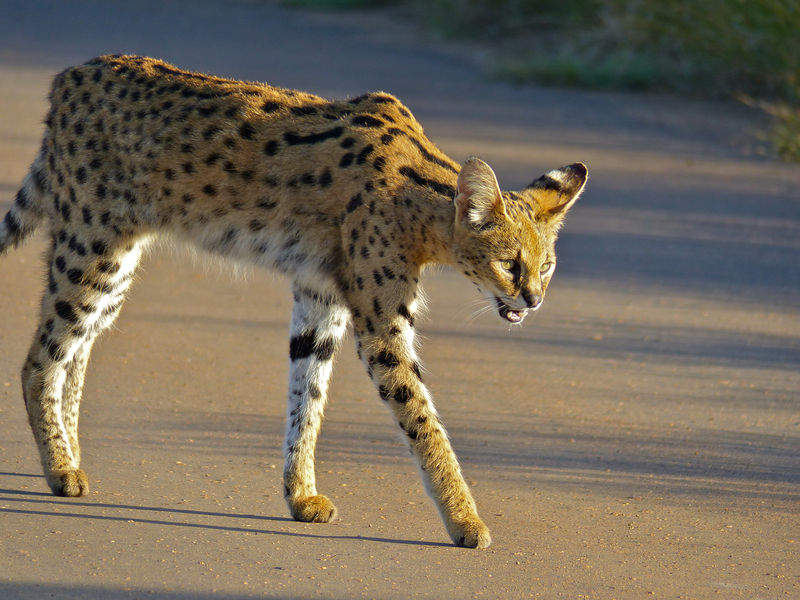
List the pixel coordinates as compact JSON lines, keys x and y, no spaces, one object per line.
{"x":555,"y":192}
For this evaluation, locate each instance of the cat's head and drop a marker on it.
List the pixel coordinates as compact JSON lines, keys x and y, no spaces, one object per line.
{"x":504,"y":242}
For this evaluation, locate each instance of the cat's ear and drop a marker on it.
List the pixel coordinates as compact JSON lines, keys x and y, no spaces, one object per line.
{"x":478,"y":200}
{"x":555,"y":192}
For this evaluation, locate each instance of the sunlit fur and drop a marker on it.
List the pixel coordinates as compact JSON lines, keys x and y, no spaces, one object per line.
{"x":349,"y":199}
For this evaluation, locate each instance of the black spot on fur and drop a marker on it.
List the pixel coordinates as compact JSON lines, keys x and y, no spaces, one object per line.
{"x":417,"y":371}
{"x":207,"y":110}
{"x":66,"y":311}
{"x":431,"y":158}
{"x":209,"y":190}
{"x":436,"y":186}
{"x":366,"y":151}
{"x":12,"y":223}
{"x":22,"y":200}
{"x":347,"y":160}
{"x":270,"y":107}
{"x":313,"y":138}
{"x":301,"y":346}
{"x":303,"y":110}
{"x":107,"y":266}
{"x":51,"y":282}
{"x":354,"y":203}
{"x":75,"y":276}
{"x":99,"y":247}
{"x":366,"y":121}
{"x":271,"y":148}
{"x":266,"y":204}
{"x":54,"y":350}
{"x":326,"y":178}
{"x":247,"y":131}
{"x":212,"y":158}
{"x":324,"y":349}
{"x":403,"y":394}
{"x":403,"y":311}
{"x":210,"y":132}
{"x":387,"y":359}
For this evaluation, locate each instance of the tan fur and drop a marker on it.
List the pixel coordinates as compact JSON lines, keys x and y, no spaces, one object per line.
{"x":348,"y":198}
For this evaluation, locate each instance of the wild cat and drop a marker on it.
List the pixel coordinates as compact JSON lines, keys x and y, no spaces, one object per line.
{"x":348,"y":198}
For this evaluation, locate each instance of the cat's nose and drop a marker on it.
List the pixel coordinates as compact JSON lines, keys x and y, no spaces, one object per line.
{"x":533,"y":301}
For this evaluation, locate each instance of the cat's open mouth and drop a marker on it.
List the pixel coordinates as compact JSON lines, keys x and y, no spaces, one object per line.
{"x":509,"y":314}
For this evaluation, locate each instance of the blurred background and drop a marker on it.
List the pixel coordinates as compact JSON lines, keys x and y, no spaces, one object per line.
{"x":748,"y":50}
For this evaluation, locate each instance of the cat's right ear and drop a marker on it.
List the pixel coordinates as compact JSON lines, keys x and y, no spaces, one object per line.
{"x":478,"y":200}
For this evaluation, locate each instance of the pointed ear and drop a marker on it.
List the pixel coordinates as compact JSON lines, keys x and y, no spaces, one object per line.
{"x":478,"y":200}
{"x":556,"y":191}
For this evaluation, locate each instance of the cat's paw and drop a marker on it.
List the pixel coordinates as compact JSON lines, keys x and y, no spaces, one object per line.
{"x":313,"y":509}
{"x":471,"y":533}
{"x":69,"y":482}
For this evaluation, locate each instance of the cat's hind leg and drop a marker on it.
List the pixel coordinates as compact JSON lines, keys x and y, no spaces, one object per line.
{"x":87,"y":282}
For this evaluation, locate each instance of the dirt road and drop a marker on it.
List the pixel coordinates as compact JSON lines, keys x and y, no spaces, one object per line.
{"x":638,"y":438}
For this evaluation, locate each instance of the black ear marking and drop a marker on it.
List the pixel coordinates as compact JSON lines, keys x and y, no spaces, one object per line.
{"x":556,"y":191}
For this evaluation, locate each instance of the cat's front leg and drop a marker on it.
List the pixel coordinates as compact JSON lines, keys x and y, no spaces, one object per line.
{"x":385,"y":344}
{"x":318,"y":325}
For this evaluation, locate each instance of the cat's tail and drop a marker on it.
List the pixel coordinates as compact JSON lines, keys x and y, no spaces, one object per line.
{"x":26,"y":214}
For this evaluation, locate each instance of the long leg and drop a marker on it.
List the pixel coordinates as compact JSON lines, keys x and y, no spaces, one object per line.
{"x":385,"y":343}
{"x":318,"y":325}
{"x":72,"y":393}
{"x":86,"y":287}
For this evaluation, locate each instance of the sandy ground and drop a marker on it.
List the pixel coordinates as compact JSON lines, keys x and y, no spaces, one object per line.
{"x":638,"y":438}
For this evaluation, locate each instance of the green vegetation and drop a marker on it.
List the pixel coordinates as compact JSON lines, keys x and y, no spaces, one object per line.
{"x":336,"y":4}
{"x":712,"y":48}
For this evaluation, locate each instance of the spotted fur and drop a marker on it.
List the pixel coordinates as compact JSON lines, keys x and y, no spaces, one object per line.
{"x":348,"y":198}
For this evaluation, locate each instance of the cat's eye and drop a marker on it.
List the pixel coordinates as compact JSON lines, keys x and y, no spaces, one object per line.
{"x":508,"y":264}
{"x":546,"y":267}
